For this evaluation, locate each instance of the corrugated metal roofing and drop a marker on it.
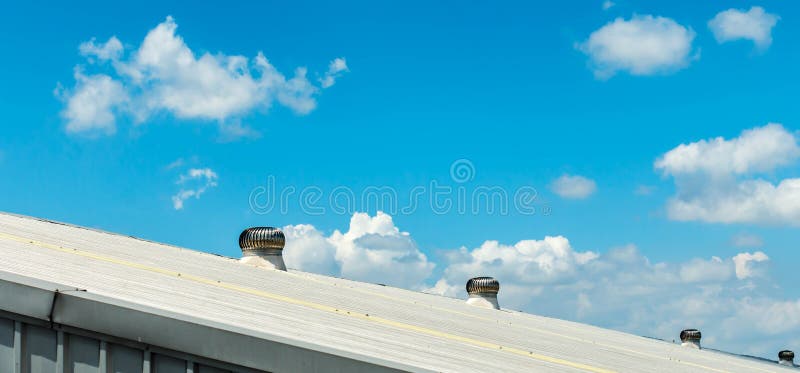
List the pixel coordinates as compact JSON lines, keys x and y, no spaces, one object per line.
{"x":382,"y":325}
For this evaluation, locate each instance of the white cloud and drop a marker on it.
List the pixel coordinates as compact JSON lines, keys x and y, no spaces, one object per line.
{"x":621,"y":289}
{"x":110,"y":50}
{"x":715,"y":181}
{"x":298,"y":93}
{"x":573,"y":186}
{"x":701,"y":270}
{"x":194,"y":183}
{"x":747,"y":240}
{"x":760,"y":149}
{"x":163,"y":75}
{"x":92,"y":105}
{"x":528,"y":266}
{"x":372,"y":250}
{"x":336,"y":68}
{"x":309,"y":250}
{"x":608,"y":4}
{"x":643,"y":45}
{"x":748,"y":201}
{"x":743,"y":261}
{"x":771,"y":317}
{"x":754,"y":25}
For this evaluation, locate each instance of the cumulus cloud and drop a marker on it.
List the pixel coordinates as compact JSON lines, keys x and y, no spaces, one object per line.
{"x":608,"y":4}
{"x":744,"y":263}
{"x":530,"y":265}
{"x":164,"y":75}
{"x":748,"y":201}
{"x":700,"y":270}
{"x":716,"y":178}
{"x":92,"y":105}
{"x":754,"y":25}
{"x":309,"y":250}
{"x":372,"y":250}
{"x":620,"y":288}
{"x":773,"y":318}
{"x":194,"y":183}
{"x":110,"y":50}
{"x":643,"y":45}
{"x":624,"y":290}
{"x":760,"y":149}
{"x":573,"y":186}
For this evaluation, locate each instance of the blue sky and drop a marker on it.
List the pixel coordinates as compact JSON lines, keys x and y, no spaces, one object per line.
{"x":525,"y":93}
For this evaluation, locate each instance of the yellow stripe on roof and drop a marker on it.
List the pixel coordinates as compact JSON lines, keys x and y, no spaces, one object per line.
{"x":313,"y":305}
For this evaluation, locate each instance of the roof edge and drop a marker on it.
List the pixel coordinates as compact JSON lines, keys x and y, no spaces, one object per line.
{"x":101,"y":314}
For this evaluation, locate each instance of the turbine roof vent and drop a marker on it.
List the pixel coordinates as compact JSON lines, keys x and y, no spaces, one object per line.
{"x":692,"y":335}
{"x":263,"y":247}
{"x":483,"y":285}
{"x":483,"y":292}
{"x":690,"y":338}
{"x":786,"y":357}
{"x":253,"y":240}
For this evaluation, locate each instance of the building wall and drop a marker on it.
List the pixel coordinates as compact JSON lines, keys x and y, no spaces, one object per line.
{"x":28,"y":346}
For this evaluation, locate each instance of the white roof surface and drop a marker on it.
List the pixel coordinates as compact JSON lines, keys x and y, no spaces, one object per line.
{"x":422,"y":332}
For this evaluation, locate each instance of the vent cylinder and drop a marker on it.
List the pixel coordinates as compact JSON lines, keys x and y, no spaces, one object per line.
{"x":263,"y":247}
{"x":786,"y":357}
{"x":691,"y":338}
{"x":483,"y":292}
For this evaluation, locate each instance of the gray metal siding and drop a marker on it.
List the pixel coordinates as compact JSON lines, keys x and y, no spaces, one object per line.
{"x":167,"y":364}
{"x":39,"y":349}
{"x":207,"y":369}
{"x":28,"y":348}
{"x":123,"y":359}
{"x":6,"y":345}
{"x":83,"y":355}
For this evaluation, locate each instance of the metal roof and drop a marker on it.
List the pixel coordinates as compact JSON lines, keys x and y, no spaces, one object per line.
{"x":272,"y":320}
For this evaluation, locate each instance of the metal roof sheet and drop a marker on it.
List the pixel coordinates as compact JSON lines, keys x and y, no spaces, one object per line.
{"x":382,"y":325}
